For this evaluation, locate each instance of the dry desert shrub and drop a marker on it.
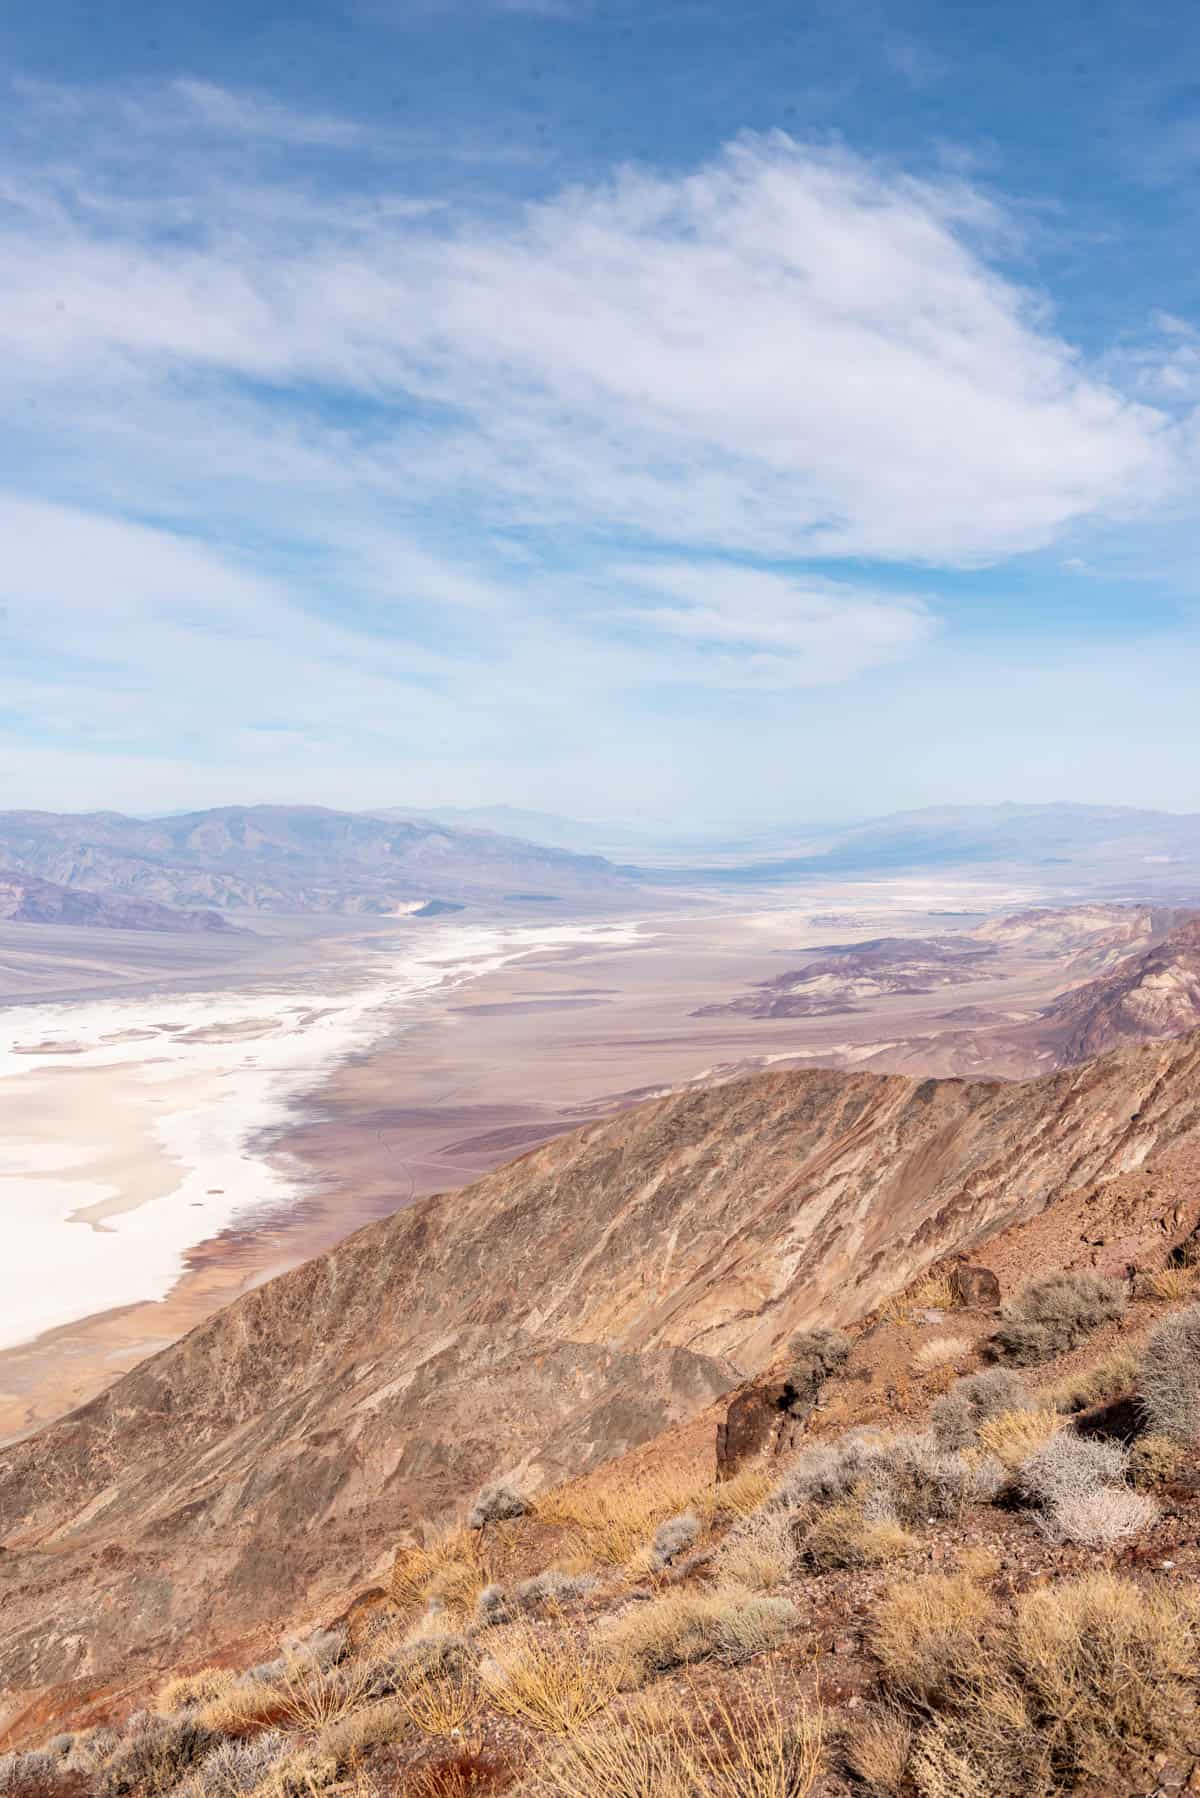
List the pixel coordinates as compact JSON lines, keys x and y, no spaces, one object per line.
{"x":815,"y":1356}
{"x":443,"y":1703}
{"x":740,"y":1496}
{"x":1175,"y":1283}
{"x":673,"y":1538}
{"x":497,"y":1503}
{"x":938,"y":1351}
{"x":552,"y":1683}
{"x":1077,"y":1679}
{"x":1068,"y":1467}
{"x":877,"y":1752}
{"x":758,"y":1553}
{"x":1013,"y":1436}
{"x":955,"y":1418}
{"x":313,"y":1697}
{"x":843,"y":1537}
{"x":747,"y":1746}
{"x":305,"y":1773}
{"x":1154,"y":1460}
{"x":21,"y":1774}
{"x":352,"y":1736}
{"x":1099,"y":1519}
{"x":1106,"y":1379}
{"x":1050,"y":1316}
{"x":156,"y":1757}
{"x":925,"y":1636}
{"x":235,"y":1768}
{"x":905,"y":1477}
{"x":1169,"y":1386}
{"x":726,"y":1625}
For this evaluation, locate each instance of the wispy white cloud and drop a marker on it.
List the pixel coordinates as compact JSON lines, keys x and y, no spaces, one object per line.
{"x":394,"y":472}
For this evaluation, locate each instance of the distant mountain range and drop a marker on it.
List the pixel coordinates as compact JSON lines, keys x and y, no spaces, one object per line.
{"x":290,"y":859}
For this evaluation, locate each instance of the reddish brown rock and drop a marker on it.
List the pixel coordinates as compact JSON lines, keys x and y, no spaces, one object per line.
{"x":763,"y":1420}
{"x":975,"y":1287}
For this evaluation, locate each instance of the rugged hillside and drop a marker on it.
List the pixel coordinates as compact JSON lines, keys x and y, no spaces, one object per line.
{"x":1152,"y":994}
{"x":563,"y":1309}
{"x":24,"y":899}
{"x":289,"y":859}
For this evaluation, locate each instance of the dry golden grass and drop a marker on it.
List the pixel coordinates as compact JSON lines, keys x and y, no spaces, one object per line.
{"x":611,"y":1524}
{"x":1105,"y":1379}
{"x":352,"y":1736}
{"x":311,"y":1698}
{"x":842,"y":1537}
{"x":737,"y":1497}
{"x":877,"y":1751}
{"x":979,"y":1564}
{"x":727,"y":1624}
{"x":305,"y":1774}
{"x":749,"y":1745}
{"x":193,"y":1689}
{"x":924,"y":1632}
{"x":1012,"y":1436}
{"x":758,"y":1553}
{"x":451,"y":1569}
{"x":553,"y":1683}
{"x":242,"y":1709}
{"x":442,"y":1703}
{"x":1172,"y":1283}
{"x":935,"y":1292}
{"x":1075,"y":1680}
{"x":939,"y":1351}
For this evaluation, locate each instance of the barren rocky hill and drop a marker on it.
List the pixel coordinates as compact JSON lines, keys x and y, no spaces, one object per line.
{"x":1151,"y":994}
{"x":565,"y":1308}
{"x":27,"y":900}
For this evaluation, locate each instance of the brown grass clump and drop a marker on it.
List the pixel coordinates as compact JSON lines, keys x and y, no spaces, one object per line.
{"x":1049,"y":1316}
{"x":191,"y":1690}
{"x":1174,"y":1283}
{"x":441,"y":1704}
{"x":471,"y":1773}
{"x":738,"y":1497}
{"x":758,"y":1553}
{"x":1014,"y":1435}
{"x":1106,"y":1379}
{"x":1155,"y":1459}
{"x":452,"y":1569}
{"x":243,"y":1709}
{"x":311,"y":1698}
{"x":610,"y":1524}
{"x":940,"y":1350}
{"x":749,"y":1747}
{"x":726,"y":1625}
{"x":878,"y":1749}
{"x":1075,"y":1682}
{"x":551,"y":1683}
{"x":935,"y":1292}
{"x":843,"y":1537}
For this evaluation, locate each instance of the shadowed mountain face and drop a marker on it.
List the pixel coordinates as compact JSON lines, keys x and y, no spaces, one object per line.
{"x":562,"y":1309}
{"x":27,"y":900}
{"x":289,"y":859}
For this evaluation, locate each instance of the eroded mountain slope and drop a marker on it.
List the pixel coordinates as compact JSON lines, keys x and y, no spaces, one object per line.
{"x":558,"y":1312}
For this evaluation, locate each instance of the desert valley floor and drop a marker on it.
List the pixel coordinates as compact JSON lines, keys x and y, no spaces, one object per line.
{"x":232,"y":1115}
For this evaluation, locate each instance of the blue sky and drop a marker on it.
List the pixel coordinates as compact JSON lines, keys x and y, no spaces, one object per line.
{"x":694,"y":411}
